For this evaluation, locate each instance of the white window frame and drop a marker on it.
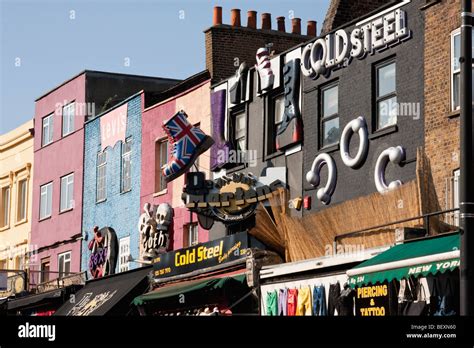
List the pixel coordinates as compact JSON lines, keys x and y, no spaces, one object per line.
{"x":124,"y":254}
{"x":66,"y":181}
{"x":455,"y":33}
{"x":22,"y":200}
{"x":66,"y":259}
{"x":49,"y":184}
{"x":193,"y":238}
{"x":68,"y":119}
{"x":6,"y":206}
{"x":100,"y":166}
{"x":47,"y":122}
{"x":126,"y":180}
{"x":326,"y":118}
{"x":163,"y":149}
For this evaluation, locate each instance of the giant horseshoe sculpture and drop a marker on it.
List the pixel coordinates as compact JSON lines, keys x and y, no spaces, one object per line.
{"x":324,"y":194}
{"x":359,"y":126}
{"x":394,"y":155}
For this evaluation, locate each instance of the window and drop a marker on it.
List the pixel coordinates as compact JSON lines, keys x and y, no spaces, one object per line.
{"x":47,"y":136}
{"x":456,"y":69}
{"x":101,"y":176}
{"x":67,"y":192}
{"x":64,"y":264}
{"x":44,"y":274}
{"x":21,"y":201}
{"x":126,"y":174}
{"x":3,"y":264}
{"x":193,"y":234}
{"x":329,"y":115}
{"x":161,"y":159}
{"x":240,"y":132}
{"x":124,"y":254}
{"x":68,"y":119}
{"x":5,"y":218}
{"x":386,"y":95}
{"x":46,"y":200}
{"x":276,"y":111}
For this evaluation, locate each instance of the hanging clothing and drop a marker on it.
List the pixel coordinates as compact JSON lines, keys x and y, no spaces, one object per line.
{"x":334,"y":293}
{"x":304,"y":306}
{"x":346,"y":302}
{"x":446,"y":292}
{"x":292,"y":301}
{"x":282,"y":301}
{"x":272,"y":303}
{"x":319,"y":301}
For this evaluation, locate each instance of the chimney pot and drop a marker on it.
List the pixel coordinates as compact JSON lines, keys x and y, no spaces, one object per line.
{"x":252,"y":19}
{"x":235,"y":17}
{"x":217,"y":18}
{"x":296,"y":26}
{"x":281,"y":23}
{"x":311,"y":29}
{"x":266,"y":21}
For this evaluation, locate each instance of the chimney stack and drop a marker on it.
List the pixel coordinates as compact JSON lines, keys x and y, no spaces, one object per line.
{"x":252,"y":19}
{"x":235,"y":17}
{"x":281,"y":23}
{"x":311,"y":29}
{"x":217,"y":18}
{"x":266,"y":21}
{"x":296,"y":26}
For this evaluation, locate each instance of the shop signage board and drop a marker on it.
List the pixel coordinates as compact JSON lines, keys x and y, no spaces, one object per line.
{"x":201,"y":256}
{"x":228,"y":199}
{"x":372,"y":300}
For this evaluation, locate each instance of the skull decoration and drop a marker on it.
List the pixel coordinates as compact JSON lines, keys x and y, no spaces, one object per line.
{"x":153,"y":226}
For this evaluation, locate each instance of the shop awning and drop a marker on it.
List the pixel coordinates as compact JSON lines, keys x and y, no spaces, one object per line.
{"x":35,"y":300}
{"x":109,"y":295}
{"x":418,"y":258}
{"x":202,"y":286}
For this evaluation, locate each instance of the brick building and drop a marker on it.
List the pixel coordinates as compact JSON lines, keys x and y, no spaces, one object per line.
{"x":442,"y":51}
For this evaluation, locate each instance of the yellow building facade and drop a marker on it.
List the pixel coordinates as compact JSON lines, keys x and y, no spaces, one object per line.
{"x":16,"y":187}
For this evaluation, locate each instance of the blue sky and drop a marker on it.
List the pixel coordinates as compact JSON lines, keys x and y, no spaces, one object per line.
{"x":45,"y":42}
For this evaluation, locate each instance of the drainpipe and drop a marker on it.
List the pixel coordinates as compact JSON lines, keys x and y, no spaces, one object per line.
{"x":466,"y":205}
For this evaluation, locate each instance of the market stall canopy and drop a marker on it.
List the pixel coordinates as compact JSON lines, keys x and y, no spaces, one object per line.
{"x":417,"y":258}
{"x":50,"y":297}
{"x":200,"y":287}
{"x":109,"y":295}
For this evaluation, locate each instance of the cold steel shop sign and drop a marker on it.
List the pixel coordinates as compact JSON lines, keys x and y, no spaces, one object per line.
{"x":201,"y":256}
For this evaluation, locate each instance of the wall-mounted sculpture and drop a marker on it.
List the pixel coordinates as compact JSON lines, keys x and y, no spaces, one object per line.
{"x":220,"y":149}
{"x":358,"y":126}
{"x":264,"y":69}
{"x":104,"y":251}
{"x":290,"y":130}
{"x":394,"y":155}
{"x":154,"y":227}
{"x":238,"y":90}
{"x":313,"y":177}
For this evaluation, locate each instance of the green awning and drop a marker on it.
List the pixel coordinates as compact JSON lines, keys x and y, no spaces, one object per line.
{"x":418,"y":258}
{"x":187,"y":287}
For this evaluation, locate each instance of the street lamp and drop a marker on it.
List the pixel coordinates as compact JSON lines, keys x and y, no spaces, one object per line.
{"x":466,"y":194}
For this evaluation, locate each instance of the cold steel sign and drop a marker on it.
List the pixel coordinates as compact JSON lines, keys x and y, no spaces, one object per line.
{"x":337,"y":49}
{"x":201,"y":256}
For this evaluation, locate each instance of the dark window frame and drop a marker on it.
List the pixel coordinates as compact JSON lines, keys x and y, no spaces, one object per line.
{"x":322,"y":119}
{"x":378,"y":99}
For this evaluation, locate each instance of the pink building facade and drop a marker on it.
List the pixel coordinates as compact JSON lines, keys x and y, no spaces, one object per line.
{"x":195,"y":101}
{"x":58,"y":150}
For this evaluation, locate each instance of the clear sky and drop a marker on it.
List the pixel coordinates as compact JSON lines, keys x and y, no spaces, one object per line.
{"x":45,"y":42}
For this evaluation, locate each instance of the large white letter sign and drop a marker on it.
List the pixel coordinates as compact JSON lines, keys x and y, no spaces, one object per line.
{"x":359,"y":126}
{"x":313,"y":177}
{"x":394,"y":155}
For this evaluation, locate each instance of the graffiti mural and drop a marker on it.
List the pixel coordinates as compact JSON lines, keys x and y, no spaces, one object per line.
{"x":104,"y":251}
{"x":154,"y":228}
